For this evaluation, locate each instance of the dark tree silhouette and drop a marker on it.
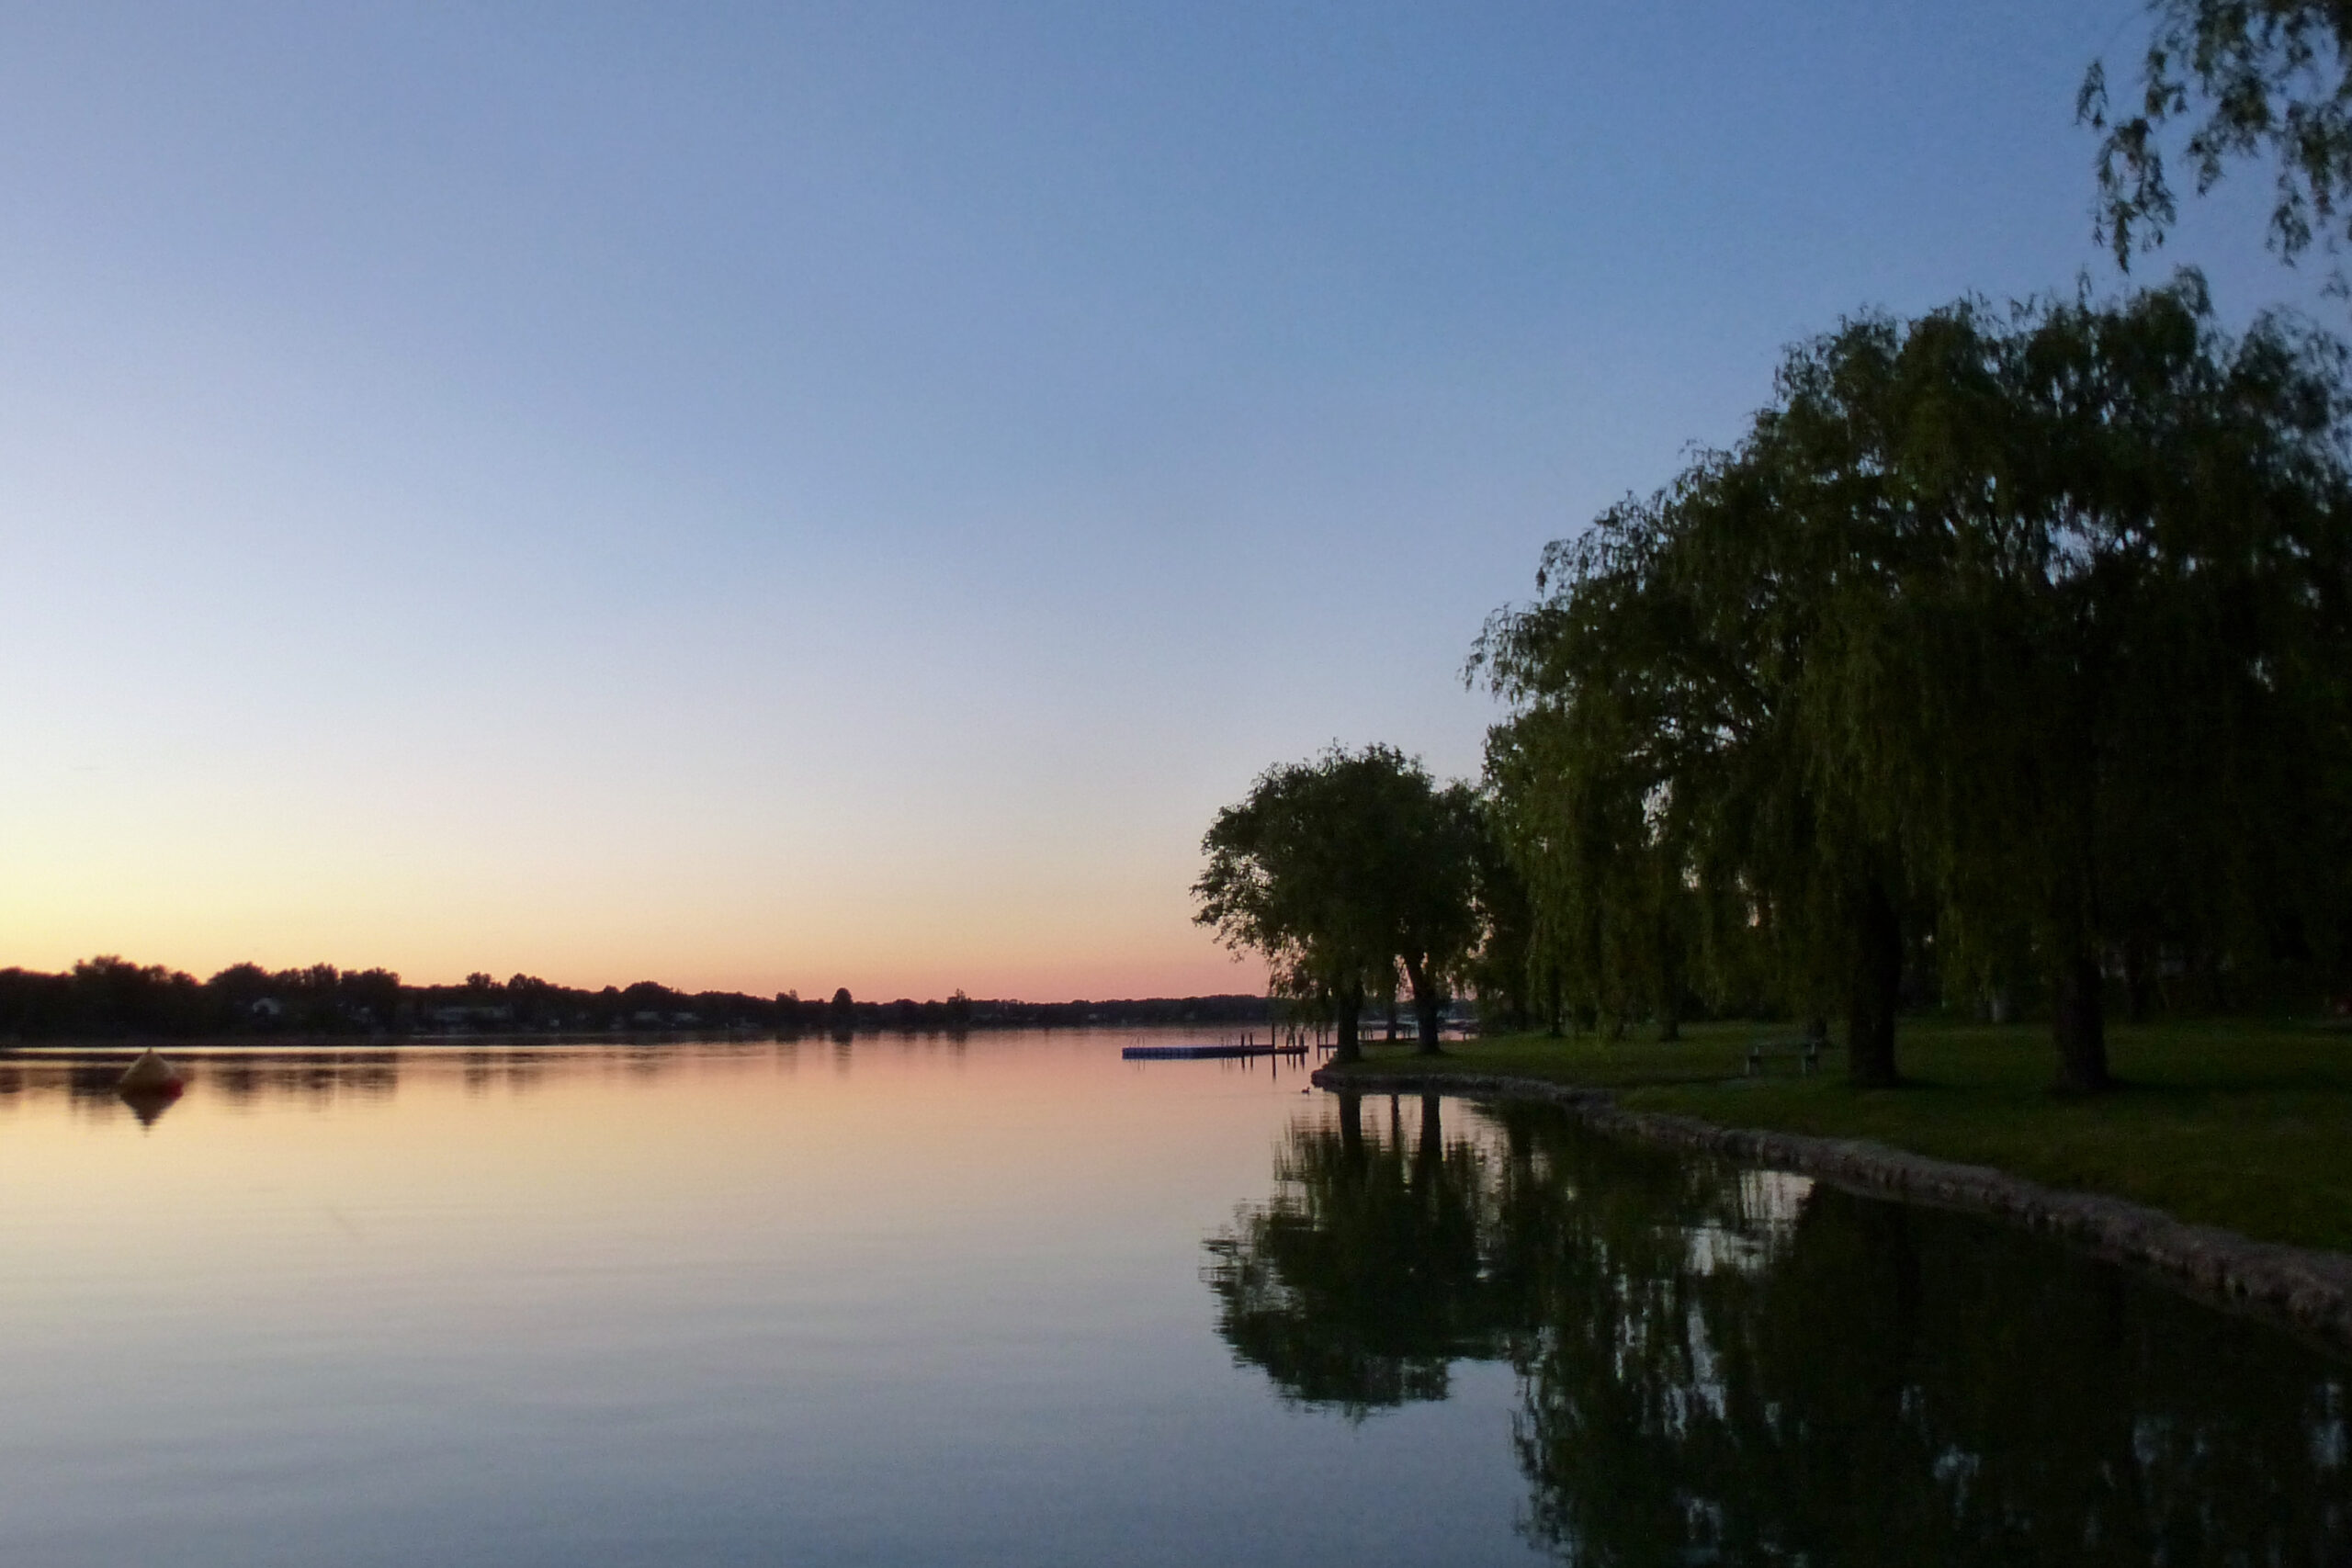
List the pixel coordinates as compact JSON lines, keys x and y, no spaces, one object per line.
{"x":1341,"y":871}
{"x":2035,"y":623}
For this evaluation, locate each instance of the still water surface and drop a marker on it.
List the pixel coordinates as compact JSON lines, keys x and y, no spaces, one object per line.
{"x":913,"y":1301}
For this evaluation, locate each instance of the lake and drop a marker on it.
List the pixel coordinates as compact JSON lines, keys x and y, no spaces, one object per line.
{"x":1010,"y":1300}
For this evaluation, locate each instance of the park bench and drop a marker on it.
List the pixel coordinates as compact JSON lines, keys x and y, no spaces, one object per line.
{"x":1804,"y":1049}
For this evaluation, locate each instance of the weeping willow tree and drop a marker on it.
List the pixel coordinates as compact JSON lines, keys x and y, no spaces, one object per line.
{"x":2223,"y":82}
{"x":2104,"y":705}
{"x":1585,"y":788}
{"x":2027,"y":625}
{"x":1664,"y":784}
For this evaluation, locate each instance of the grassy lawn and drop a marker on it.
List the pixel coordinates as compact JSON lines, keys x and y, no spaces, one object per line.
{"x":2237,"y":1123}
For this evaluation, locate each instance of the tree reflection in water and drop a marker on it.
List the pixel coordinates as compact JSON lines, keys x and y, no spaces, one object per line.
{"x":1731,"y":1366}
{"x":1364,"y":1278}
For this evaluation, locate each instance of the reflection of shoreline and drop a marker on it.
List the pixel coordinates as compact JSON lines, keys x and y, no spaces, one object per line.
{"x":125,"y":1046}
{"x":111,"y":1046}
{"x":320,"y":1071}
{"x":2302,"y":1288}
{"x":1716,"y":1364}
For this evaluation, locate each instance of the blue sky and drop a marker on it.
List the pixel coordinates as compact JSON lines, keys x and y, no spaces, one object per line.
{"x":797,"y":495}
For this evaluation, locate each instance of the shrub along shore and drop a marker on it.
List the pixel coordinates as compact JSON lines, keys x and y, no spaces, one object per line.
{"x":2238,"y":1125}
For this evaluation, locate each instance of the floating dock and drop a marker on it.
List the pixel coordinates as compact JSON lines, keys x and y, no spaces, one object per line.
{"x":1205,"y":1053}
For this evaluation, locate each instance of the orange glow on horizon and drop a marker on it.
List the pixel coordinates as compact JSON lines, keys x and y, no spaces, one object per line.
{"x":1098,"y":928}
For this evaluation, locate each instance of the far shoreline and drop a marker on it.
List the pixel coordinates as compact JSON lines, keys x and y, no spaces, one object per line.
{"x":109,"y":1046}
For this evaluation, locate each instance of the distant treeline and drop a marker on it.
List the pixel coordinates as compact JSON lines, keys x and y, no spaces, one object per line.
{"x":112,"y":997}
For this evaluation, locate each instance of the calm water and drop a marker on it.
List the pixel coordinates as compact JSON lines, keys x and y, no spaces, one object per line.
{"x":1015,"y":1300}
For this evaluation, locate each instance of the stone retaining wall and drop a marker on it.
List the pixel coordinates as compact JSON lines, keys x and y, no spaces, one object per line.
{"x":2311,"y":1290}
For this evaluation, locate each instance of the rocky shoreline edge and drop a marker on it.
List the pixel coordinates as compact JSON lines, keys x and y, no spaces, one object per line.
{"x":2306,"y":1288}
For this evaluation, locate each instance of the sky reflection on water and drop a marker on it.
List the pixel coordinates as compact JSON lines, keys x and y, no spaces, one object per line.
{"x":911,"y":1301}
{"x":919,"y":1300}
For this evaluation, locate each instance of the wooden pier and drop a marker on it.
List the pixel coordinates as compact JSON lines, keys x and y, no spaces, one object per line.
{"x":1207,"y":1052}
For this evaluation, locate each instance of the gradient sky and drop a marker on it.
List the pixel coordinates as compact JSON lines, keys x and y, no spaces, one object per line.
{"x":793,"y":495}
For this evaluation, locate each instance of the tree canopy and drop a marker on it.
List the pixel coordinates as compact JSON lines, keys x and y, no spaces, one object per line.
{"x":2003,"y":643}
{"x":1342,"y":870}
{"x":2260,"y":80}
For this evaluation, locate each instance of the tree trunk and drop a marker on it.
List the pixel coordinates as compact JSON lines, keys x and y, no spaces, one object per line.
{"x":1426,"y":1005}
{"x":1426,"y":1010}
{"x":2135,"y":981}
{"x":2078,"y":1024}
{"x":1348,"y":1005}
{"x":1669,"y":986}
{"x":1875,"y":989}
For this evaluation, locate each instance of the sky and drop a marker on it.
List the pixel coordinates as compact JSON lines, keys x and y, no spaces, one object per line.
{"x":783,"y":495}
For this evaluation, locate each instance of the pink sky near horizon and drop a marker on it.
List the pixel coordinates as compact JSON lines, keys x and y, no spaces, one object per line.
{"x":1033,"y":953}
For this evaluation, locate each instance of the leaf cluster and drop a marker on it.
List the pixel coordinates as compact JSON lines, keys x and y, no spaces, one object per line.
{"x":1338,"y":869}
{"x":2268,"y":81}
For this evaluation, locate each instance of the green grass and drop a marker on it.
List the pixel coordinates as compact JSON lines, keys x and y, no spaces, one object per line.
{"x":2246,"y":1125}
